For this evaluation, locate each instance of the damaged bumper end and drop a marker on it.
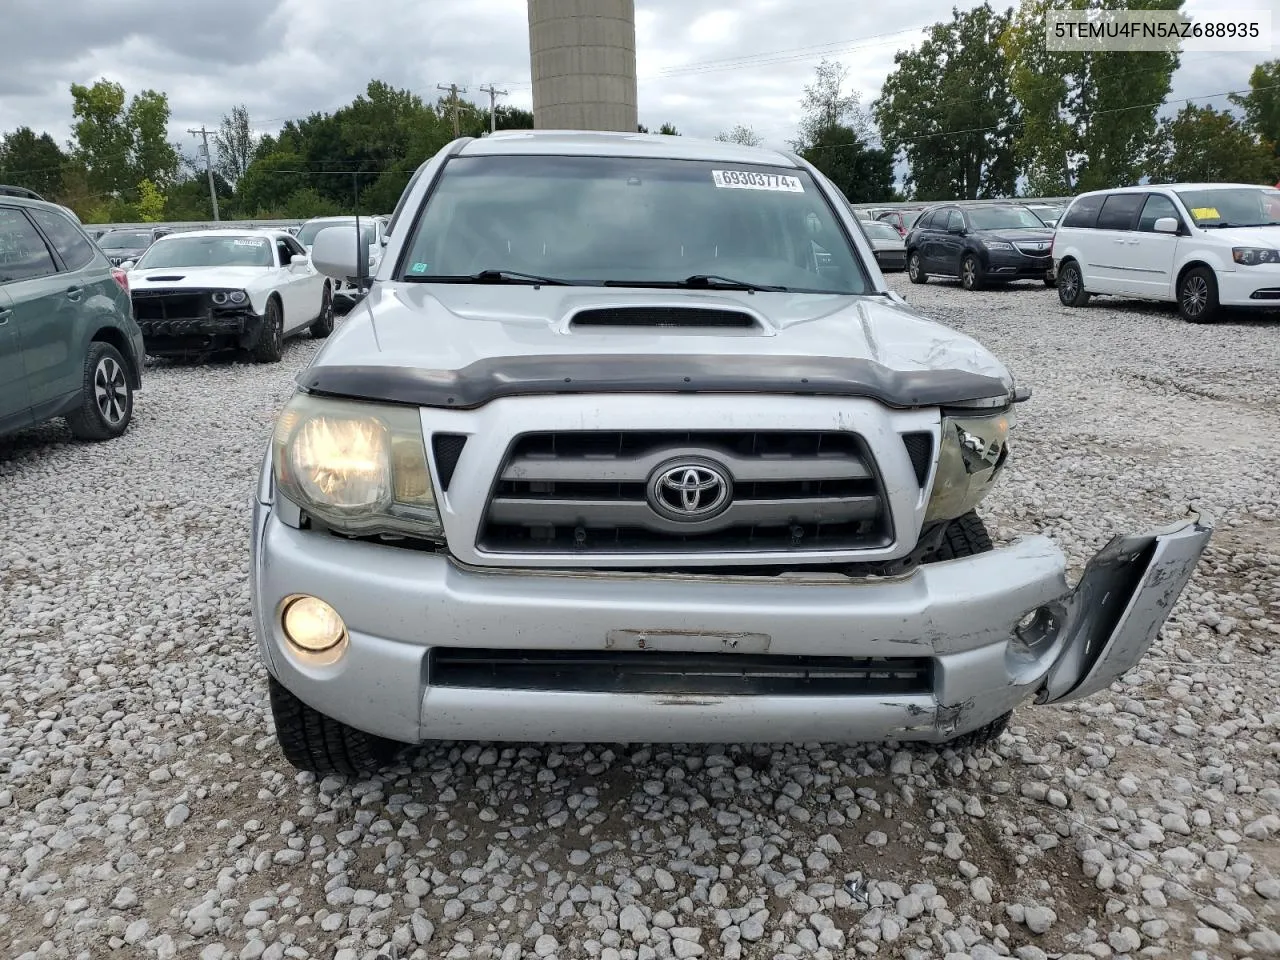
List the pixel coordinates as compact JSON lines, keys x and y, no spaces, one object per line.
{"x":1107,"y":623}
{"x":437,"y":649}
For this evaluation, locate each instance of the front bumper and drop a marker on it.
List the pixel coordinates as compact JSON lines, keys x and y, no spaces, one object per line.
{"x":961,"y":616}
{"x":1003,"y":265}
{"x":1256,"y":287}
{"x":892,"y":259}
{"x":238,"y":328}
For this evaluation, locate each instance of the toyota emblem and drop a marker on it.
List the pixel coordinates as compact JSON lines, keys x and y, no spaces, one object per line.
{"x":689,"y":490}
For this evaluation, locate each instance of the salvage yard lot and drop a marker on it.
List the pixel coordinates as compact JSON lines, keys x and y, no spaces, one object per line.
{"x":144,"y":806}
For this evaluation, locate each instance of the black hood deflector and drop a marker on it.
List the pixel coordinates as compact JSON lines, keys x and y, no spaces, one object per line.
{"x":475,"y":385}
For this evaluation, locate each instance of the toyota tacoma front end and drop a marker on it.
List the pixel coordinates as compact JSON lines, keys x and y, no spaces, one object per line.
{"x":611,"y":452}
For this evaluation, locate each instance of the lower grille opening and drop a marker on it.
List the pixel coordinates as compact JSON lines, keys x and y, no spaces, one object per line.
{"x":447,"y":448}
{"x":725,"y":674}
{"x":920,"y":450}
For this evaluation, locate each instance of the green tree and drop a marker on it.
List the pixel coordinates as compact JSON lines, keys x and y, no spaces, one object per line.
{"x":669,"y":130}
{"x":864,"y":174}
{"x":512,"y":118}
{"x":835,"y":134}
{"x":150,"y":202}
{"x":948,"y":108}
{"x":32,"y":161}
{"x":188,"y":198}
{"x":740,"y":134}
{"x":119,"y":145}
{"x":269,"y":182}
{"x":235,"y":142}
{"x":1261,"y":104}
{"x":1204,"y":144}
{"x":1087,"y":120}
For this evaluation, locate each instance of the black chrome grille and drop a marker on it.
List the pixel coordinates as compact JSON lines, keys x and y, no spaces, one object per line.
{"x":164,"y":305}
{"x":588,"y":492}
{"x":655,"y":672}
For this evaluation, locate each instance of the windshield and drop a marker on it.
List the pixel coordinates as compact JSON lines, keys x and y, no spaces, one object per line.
{"x":879,"y":230}
{"x":124,"y":239}
{"x":1003,"y":218}
{"x":596,"y":220}
{"x":208,"y":252}
{"x":1047,"y":214}
{"x":1233,"y":206}
{"x":307,"y":235}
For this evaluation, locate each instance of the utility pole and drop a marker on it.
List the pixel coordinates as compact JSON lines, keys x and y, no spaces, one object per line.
{"x":208,"y":167}
{"x":454,"y":90}
{"x":493,"y":96}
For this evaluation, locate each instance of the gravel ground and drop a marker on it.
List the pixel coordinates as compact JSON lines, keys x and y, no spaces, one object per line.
{"x":145,"y":811}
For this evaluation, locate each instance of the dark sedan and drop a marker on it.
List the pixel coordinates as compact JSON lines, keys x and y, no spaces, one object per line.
{"x":124,"y":245}
{"x":981,"y":245}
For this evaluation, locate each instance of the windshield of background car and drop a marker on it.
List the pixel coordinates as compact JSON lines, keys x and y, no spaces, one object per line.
{"x":208,"y":252}
{"x":1233,"y":206}
{"x":878,"y":230}
{"x":124,"y":240}
{"x":1003,"y":218}
{"x":307,"y":235}
{"x":588,"y":220}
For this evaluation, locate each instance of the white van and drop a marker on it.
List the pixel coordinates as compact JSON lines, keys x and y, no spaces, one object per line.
{"x":1203,"y":246}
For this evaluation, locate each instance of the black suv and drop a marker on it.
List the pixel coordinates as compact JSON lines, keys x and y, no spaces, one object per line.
{"x":981,"y":244}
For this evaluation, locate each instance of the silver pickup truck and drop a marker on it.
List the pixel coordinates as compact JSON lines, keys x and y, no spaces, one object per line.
{"x":630,"y":442}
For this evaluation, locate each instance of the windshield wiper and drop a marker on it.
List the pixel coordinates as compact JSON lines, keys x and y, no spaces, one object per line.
{"x":1272,"y":223}
{"x":490,"y":276}
{"x":700,"y":281}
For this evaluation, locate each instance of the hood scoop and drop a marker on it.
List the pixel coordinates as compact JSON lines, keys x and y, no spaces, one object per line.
{"x":176,"y":276}
{"x":684,"y":318}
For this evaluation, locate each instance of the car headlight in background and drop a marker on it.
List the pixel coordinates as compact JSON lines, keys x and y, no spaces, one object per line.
{"x":359,"y":468}
{"x":997,"y":245}
{"x":221,"y":297}
{"x":971,"y":454}
{"x":1252,"y":256}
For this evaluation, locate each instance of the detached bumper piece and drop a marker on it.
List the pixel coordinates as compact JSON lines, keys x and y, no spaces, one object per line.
{"x":188,"y":323}
{"x":892,"y":259}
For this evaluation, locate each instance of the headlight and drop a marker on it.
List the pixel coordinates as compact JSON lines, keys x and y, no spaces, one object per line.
{"x":360,"y":468}
{"x":972,"y":452}
{"x":237,"y":296}
{"x":997,"y":245}
{"x":1252,"y":256}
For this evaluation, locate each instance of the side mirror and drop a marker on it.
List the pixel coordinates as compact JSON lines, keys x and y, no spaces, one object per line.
{"x":958,"y":231}
{"x":1166,"y":225}
{"x":336,"y":252}
{"x":128,"y":265}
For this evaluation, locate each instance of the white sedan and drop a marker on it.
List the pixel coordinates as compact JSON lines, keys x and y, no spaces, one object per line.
{"x":202,"y":291}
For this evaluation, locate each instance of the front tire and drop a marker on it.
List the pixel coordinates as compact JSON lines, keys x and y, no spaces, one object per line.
{"x":270,"y":345}
{"x":312,"y":741}
{"x":1071,"y":291}
{"x":1198,"y":296}
{"x":971,"y":272}
{"x":106,"y":401}
{"x":323,"y":325}
{"x":915,"y":268}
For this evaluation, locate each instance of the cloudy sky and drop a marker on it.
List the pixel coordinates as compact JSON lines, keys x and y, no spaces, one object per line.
{"x":703,"y":65}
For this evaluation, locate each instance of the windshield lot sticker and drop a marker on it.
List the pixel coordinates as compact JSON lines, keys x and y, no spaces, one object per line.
{"x":749,"y":180}
{"x":248,"y":243}
{"x":420,"y":267}
{"x":1205,"y":213}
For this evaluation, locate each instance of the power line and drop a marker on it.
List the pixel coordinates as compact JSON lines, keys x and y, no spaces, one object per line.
{"x":208,"y":167}
{"x":454,"y":90}
{"x":493,"y":95}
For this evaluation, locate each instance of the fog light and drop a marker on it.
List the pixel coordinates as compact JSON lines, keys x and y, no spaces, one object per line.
{"x":313,"y":625}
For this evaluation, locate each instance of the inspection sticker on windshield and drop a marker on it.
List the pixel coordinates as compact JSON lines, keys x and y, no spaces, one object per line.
{"x":248,"y":243}
{"x":750,"y":180}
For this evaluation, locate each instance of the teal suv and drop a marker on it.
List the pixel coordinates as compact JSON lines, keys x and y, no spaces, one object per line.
{"x":69,"y":346}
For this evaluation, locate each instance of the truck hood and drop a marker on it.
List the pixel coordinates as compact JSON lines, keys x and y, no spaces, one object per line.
{"x":195,"y":278}
{"x":454,"y":336}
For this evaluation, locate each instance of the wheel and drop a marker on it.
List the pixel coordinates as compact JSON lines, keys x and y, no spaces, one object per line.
{"x":1071,"y":289}
{"x":312,"y":741}
{"x":270,"y":345}
{"x":970,"y":272}
{"x":984,"y":735}
{"x":1198,"y":296}
{"x":965,"y":536}
{"x":323,"y":325}
{"x":915,"y":269}
{"x":106,"y":402}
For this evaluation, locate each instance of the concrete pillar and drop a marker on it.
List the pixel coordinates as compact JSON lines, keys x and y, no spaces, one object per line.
{"x":583,"y":54}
